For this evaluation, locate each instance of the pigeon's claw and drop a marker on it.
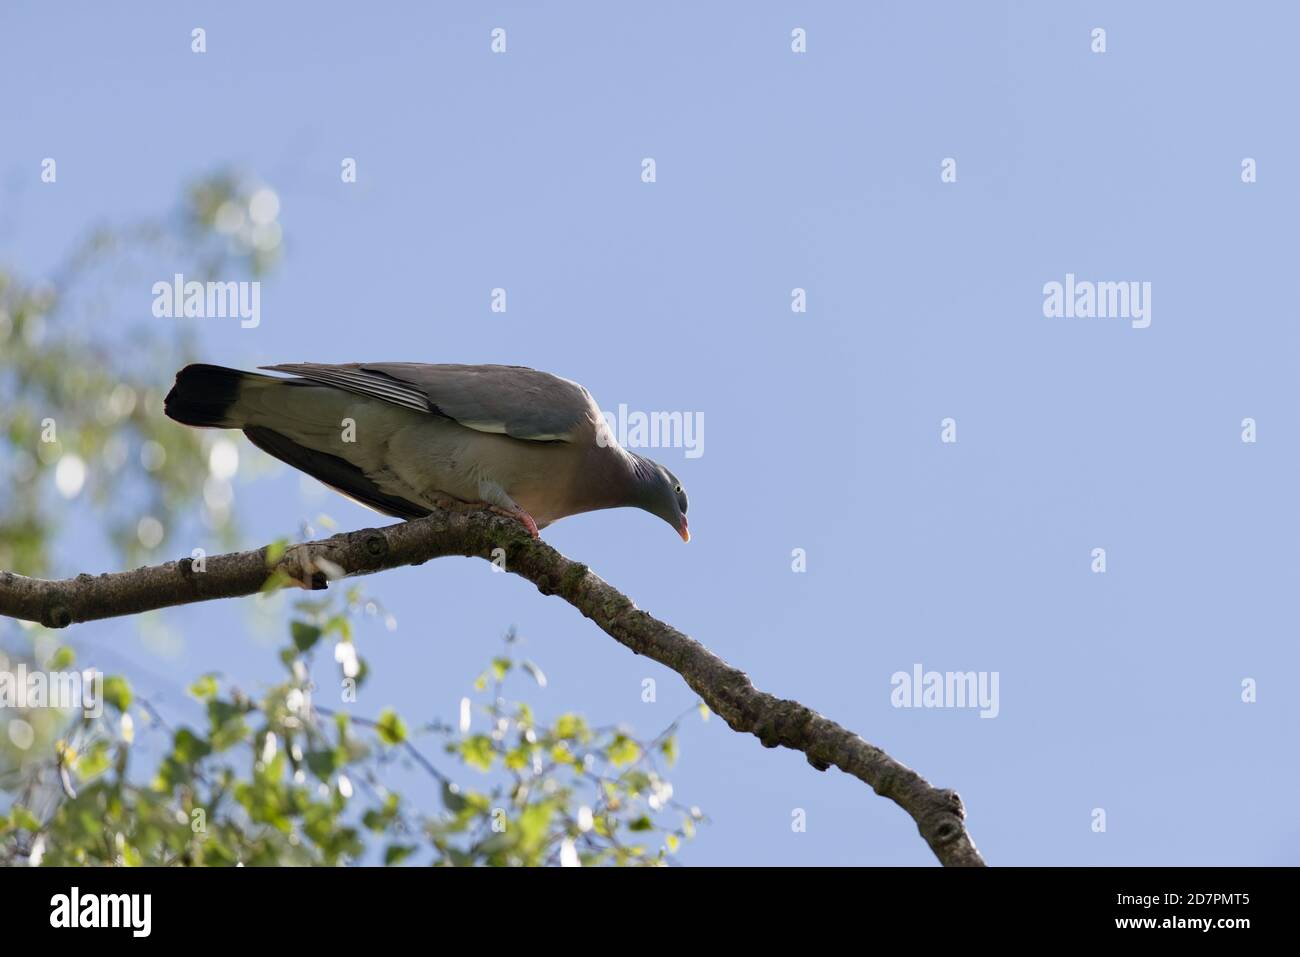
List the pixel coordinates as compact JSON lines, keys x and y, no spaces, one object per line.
{"x":519,"y":515}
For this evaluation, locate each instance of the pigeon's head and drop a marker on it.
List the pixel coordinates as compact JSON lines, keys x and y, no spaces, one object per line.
{"x":662,"y":494}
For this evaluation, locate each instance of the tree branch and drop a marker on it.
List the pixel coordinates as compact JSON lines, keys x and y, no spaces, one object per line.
{"x":938,"y":813}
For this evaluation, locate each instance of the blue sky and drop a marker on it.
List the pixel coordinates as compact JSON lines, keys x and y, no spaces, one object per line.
{"x":778,"y":170}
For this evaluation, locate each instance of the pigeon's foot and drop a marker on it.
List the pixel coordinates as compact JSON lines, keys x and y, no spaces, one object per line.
{"x":519,"y":515}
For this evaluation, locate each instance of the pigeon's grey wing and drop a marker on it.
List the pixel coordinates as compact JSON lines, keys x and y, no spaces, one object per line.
{"x":509,"y":400}
{"x":333,"y":471}
{"x":353,"y":378}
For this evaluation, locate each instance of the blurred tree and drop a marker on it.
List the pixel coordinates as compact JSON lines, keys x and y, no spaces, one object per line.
{"x":79,"y":388}
{"x":278,"y":780}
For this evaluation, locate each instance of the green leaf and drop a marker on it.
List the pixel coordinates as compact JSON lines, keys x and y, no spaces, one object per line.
{"x":643,"y":823}
{"x":226,"y":722}
{"x":391,"y":728}
{"x":571,"y":726}
{"x":62,"y":659}
{"x":623,"y":751}
{"x":669,"y":749}
{"x":304,"y":635}
{"x":534,"y":823}
{"x":396,"y":853}
{"x":636,"y":782}
{"x":322,"y":763}
{"x":501,"y":667}
{"x":205,"y":687}
{"x":24,"y":818}
{"x":452,"y":799}
{"x":275,"y":551}
{"x":477,"y":751}
{"x":275,"y":581}
{"x":187,"y":747}
{"x":117,"y":692}
{"x":93,"y":762}
{"x":378,"y":819}
{"x":341,"y":625}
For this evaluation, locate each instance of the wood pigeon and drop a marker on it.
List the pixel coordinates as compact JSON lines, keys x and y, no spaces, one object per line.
{"x":403,"y":437}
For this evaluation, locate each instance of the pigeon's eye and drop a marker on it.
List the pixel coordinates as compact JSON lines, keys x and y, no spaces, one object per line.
{"x":678,"y":490}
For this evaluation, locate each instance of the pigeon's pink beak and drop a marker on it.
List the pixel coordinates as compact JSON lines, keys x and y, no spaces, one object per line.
{"x":684,"y":532}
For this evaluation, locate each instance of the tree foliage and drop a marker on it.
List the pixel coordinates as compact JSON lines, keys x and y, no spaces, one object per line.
{"x":277,"y":779}
{"x":81,"y":422}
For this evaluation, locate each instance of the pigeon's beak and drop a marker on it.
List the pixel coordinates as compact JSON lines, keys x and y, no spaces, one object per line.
{"x":684,"y":532}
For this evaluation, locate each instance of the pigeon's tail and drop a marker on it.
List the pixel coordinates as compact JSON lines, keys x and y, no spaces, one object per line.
{"x":206,"y":396}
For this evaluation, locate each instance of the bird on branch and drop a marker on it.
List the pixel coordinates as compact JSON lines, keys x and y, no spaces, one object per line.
{"x":403,"y":437}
